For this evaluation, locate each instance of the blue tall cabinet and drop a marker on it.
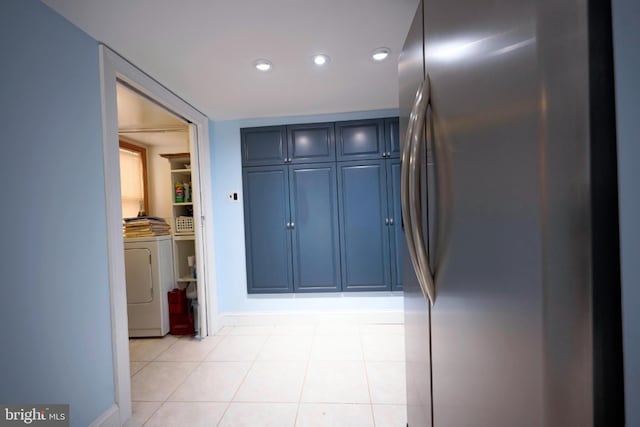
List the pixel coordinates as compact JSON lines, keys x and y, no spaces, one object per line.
{"x":316,"y":220}
{"x":364,"y":237}
{"x":314,"y":227}
{"x":267,"y":232}
{"x":291,"y":209}
{"x":370,"y":216}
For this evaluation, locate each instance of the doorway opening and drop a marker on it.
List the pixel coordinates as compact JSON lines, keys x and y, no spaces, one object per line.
{"x":153,"y":118}
{"x":157,"y":211}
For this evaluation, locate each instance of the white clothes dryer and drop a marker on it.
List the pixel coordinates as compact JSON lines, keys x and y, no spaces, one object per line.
{"x":149,"y":275}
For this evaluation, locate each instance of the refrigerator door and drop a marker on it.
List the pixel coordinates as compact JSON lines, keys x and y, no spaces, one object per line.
{"x":486,"y":324}
{"x":416,"y":306}
{"x":525,"y":329}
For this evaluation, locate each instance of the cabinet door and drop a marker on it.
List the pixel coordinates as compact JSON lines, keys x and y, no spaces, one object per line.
{"x":392,"y":137}
{"x":361,"y":139}
{"x":263,"y":145}
{"x":267,"y":237}
{"x":363,"y":233}
{"x":314,"y":230}
{"x":396,"y":234}
{"x":311,"y":143}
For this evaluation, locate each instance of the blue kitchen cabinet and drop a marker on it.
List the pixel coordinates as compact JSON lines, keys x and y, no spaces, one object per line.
{"x":364,"y":233}
{"x":360,"y":140}
{"x":323,"y":226}
{"x":310,"y":143}
{"x":314,"y":230}
{"x":394,"y":222}
{"x":291,"y":228}
{"x":263,"y":145}
{"x":267,"y":230}
{"x":278,"y":145}
{"x":392,"y":137}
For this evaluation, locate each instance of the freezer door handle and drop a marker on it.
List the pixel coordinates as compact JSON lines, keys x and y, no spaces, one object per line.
{"x":410,"y":191}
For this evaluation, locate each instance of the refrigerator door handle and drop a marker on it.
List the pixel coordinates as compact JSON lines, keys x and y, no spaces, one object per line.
{"x":410,"y":191}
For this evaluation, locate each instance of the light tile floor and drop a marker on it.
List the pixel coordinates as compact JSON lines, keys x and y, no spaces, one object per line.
{"x":330,"y":374}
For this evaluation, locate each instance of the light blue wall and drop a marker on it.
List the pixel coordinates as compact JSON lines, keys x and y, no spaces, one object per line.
{"x":229,"y":229}
{"x":626,"y":33}
{"x":54,"y":307}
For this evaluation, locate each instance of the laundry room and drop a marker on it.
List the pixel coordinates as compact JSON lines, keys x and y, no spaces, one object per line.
{"x":156,"y":187}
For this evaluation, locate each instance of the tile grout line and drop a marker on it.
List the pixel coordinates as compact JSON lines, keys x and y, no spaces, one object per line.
{"x":198,"y":364}
{"x":183,"y":380}
{"x":166,"y":349}
{"x":226,"y":409}
{"x":239,"y":385}
{"x":151,"y":416}
{"x":366,"y":372}
{"x":161,"y":402}
{"x":306,"y":371}
{"x":253,"y":362}
{"x":139,"y":370}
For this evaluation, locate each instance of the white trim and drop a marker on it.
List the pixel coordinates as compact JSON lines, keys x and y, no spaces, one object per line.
{"x":113,"y":68}
{"x":115,"y":246}
{"x":109,"y":418}
{"x":240,"y":319}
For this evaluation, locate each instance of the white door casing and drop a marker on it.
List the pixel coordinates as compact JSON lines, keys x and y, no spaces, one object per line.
{"x":114,"y":68}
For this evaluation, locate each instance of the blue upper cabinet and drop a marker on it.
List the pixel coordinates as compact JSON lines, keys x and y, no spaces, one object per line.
{"x":267,"y":230}
{"x":360,"y":140}
{"x":396,"y":233}
{"x":392,"y":137}
{"x":263,"y":145}
{"x":310,"y":143}
{"x":314,"y":227}
{"x":363,"y":221}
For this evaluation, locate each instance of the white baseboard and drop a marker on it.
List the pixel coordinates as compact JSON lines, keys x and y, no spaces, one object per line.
{"x":236,"y":319}
{"x":109,"y":418}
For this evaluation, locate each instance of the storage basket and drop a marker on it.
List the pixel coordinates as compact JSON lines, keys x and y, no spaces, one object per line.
{"x":184,"y":224}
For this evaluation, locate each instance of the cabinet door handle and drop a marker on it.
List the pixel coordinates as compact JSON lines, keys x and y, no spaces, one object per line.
{"x":384,"y":154}
{"x":284,"y":160}
{"x":390,"y":221}
{"x":386,"y":221}
{"x":288,"y":225}
{"x":293,"y":225}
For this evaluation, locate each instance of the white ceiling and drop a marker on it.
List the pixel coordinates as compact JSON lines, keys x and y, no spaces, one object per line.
{"x":204,"y":50}
{"x":144,"y":121}
{"x":135,"y":112}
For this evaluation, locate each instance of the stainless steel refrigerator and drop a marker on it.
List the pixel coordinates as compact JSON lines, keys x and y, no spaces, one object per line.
{"x":509,"y":191}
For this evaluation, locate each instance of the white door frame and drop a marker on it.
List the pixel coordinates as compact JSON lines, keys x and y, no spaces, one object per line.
{"x":115,"y":68}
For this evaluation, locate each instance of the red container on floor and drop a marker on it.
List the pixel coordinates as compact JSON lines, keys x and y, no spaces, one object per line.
{"x":181,"y":324}
{"x":178,"y":301}
{"x":180,"y":313}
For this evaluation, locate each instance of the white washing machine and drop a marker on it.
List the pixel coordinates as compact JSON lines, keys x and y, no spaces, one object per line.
{"x":149,"y":273}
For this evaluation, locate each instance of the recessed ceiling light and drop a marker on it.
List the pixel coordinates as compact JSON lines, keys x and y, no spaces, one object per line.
{"x":380,"y":54}
{"x":320,"y":59}
{"x":263,"y":64}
